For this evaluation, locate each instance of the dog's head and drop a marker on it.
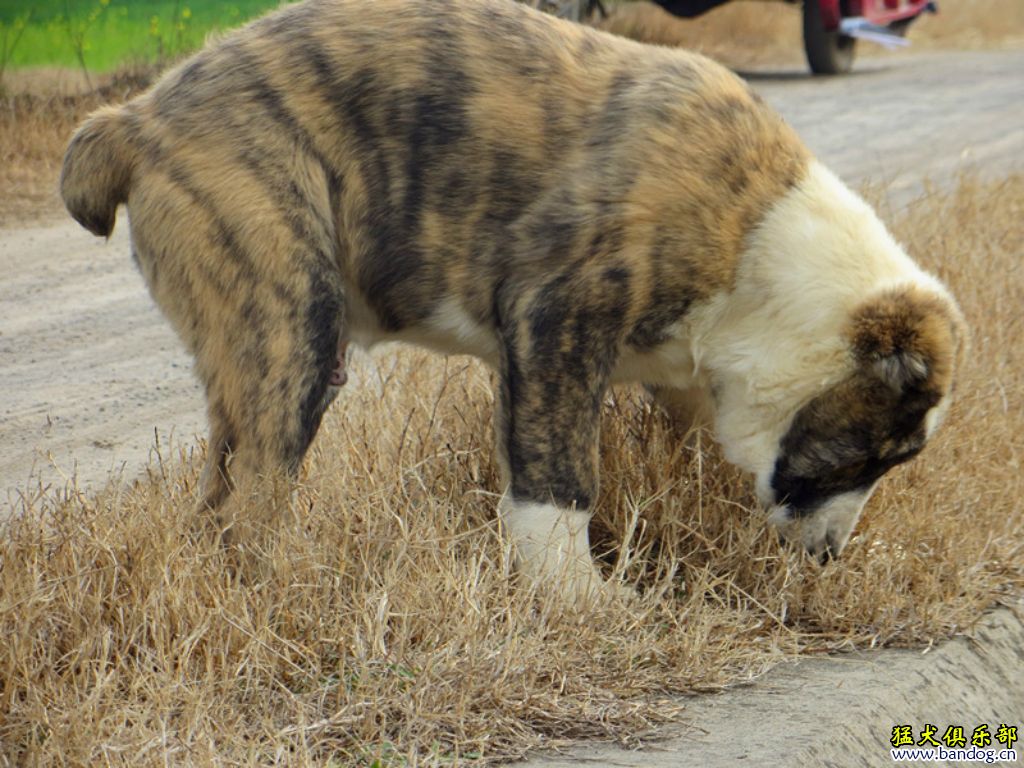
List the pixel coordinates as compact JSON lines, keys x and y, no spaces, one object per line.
{"x":904,"y":347}
{"x":819,"y":449}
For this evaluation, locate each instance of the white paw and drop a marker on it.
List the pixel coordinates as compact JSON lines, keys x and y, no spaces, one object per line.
{"x":552,"y":553}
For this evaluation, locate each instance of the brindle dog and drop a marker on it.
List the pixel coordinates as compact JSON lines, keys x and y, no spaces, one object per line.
{"x":574,"y":208}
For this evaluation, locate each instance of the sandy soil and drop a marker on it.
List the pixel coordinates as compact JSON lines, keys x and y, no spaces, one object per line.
{"x":898,"y":121}
{"x":88,"y":367}
{"x":89,"y":370}
{"x":839,"y":711}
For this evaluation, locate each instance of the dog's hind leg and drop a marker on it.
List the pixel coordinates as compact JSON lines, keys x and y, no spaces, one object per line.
{"x":260,"y":303}
{"x":267,"y":390}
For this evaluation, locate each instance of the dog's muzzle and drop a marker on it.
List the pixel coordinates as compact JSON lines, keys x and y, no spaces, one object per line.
{"x":824,"y":531}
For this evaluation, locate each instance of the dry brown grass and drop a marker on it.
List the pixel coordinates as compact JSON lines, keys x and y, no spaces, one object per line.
{"x":972,"y":24}
{"x":379,"y":623}
{"x":745,"y":34}
{"x":739,"y":34}
{"x":33,"y":134}
{"x":39,"y":109}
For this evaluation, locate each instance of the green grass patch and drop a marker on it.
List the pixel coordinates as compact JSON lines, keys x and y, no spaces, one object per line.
{"x":109,"y":33}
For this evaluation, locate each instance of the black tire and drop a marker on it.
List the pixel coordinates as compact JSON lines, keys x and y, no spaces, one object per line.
{"x":828,"y":52}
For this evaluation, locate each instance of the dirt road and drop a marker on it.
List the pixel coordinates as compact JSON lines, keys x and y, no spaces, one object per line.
{"x":88,"y":368}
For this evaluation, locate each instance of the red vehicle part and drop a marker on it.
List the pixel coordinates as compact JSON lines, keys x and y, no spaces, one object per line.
{"x":831,"y":28}
{"x":884,"y":12}
{"x":829,"y":43}
{"x":830,"y":12}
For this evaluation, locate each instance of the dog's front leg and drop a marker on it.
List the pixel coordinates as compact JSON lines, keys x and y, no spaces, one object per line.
{"x":554,"y":375}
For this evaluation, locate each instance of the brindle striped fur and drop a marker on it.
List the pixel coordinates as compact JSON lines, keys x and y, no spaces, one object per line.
{"x":466,"y":174}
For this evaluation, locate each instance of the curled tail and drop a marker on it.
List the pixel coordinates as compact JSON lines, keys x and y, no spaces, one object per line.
{"x":97,"y":170}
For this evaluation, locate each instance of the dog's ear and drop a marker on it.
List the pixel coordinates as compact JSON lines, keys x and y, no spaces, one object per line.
{"x":908,"y":338}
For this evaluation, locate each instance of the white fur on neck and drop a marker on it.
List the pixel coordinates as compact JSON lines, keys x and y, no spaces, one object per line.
{"x":776,"y":339}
